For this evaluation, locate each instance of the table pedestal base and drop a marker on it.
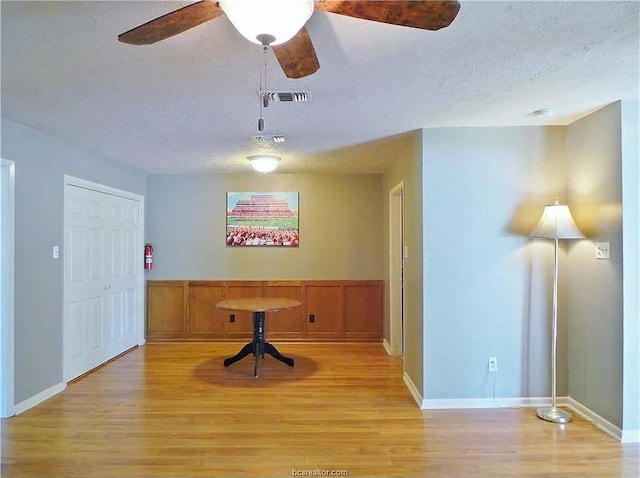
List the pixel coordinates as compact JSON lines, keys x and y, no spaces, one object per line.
{"x":258,"y":347}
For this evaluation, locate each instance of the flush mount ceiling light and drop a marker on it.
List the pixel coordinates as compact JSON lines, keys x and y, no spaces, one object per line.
{"x":543,"y":112}
{"x":264,"y":163}
{"x":281,"y":19}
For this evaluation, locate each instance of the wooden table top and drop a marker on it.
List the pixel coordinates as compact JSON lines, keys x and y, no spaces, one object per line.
{"x":258,"y":304}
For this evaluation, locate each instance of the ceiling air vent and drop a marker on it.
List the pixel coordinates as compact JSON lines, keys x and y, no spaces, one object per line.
{"x":287,"y":96}
{"x":267,"y":139}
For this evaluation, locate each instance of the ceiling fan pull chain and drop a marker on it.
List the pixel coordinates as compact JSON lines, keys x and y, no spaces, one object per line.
{"x":265,"y":98}
{"x":260,"y":120}
{"x":264,"y":102}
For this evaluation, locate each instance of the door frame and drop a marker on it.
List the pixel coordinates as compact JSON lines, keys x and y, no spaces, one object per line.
{"x":396,"y":266}
{"x":7,"y":278}
{"x":71,"y":181}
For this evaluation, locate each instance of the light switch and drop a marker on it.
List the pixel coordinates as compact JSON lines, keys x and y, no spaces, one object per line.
{"x":56,"y":252}
{"x":406,"y":252}
{"x":603,"y":250}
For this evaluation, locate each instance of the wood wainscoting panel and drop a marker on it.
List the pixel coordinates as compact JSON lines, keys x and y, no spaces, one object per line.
{"x":324,"y":310}
{"x":363,"y":310}
{"x":203,"y":317}
{"x":289,"y":322}
{"x":331,"y":310}
{"x":240,"y":323}
{"x":166,"y":304}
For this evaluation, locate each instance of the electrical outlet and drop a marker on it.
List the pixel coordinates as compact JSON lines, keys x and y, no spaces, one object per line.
{"x":603,"y":250}
{"x":493,"y":364}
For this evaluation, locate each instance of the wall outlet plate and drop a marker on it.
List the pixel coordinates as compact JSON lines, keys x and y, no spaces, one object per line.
{"x":493,"y":364}
{"x":603,"y":250}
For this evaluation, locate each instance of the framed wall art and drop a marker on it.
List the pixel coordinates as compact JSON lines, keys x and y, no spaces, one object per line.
{"x":260,"y":219}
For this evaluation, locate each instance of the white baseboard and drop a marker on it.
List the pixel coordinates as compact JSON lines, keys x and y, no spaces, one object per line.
{"x":412,"y":389}
{"x":387,"y":346}
{"x":499,"y":402}
{"x":628,"y":436}
{"x":39,"y":398}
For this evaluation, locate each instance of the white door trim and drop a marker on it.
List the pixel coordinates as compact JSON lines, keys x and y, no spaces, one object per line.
{"x":140,"y":306}
{"x":396,"y":254}
{"x":7,"y":251}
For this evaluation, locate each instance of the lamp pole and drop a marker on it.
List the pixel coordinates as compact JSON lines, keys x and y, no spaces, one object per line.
{"x":553,"y":413}
{"x":556,"y":223}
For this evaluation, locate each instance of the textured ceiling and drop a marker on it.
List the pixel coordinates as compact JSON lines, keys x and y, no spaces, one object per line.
{"x":189,"y":103}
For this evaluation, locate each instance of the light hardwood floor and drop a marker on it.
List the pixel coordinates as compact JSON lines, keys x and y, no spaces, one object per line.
{"x":173,"y":410}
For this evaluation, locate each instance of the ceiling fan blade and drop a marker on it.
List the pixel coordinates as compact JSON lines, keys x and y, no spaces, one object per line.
{"x":297,"y":57}
{"x":172,"y":23}
{"x":427,"y":15}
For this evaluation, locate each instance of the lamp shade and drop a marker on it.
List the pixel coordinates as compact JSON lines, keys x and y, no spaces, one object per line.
{"x":280,"y":18}
{"x":557,"y":223}
{"x":264,"y":163}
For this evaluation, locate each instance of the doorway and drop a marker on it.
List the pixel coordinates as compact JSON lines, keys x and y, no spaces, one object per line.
{"x":103,"y":279}
{"x":396,"y":267}
{"x":7,"y":201}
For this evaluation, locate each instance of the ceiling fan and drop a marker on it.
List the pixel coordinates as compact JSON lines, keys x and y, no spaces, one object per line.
{"x":280,"y":24}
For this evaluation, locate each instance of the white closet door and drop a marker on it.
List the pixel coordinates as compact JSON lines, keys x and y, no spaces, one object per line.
{"x":101,"y":273}
{"x":125,"y":263}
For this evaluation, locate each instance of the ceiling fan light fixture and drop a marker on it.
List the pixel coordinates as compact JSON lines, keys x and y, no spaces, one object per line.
{"x":280,"y":18}
{"x":264,"y":163}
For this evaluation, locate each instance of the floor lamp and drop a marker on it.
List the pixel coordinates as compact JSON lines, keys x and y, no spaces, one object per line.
{"x":556,"y":223}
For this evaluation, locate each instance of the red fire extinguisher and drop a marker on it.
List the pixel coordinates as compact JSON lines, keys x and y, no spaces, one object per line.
{"x":148,"y":257}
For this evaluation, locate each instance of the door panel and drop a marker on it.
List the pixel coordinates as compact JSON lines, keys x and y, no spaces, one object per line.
{"x":116,"y":330}
{"x":96,"y":323}
{"x":117,"y":254}
{"x":129,"y":311}
{"x":96,"y":254}
{"x":76,"y":327}
{"x":123,"y":231}
{"x":101,"y":236}
{"x":76,"y":239}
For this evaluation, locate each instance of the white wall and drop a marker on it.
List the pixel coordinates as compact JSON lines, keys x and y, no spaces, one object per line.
{"x":594,"y":298}
{"x":40,"y":165}
{"x":7,"y":245}
{"x":340,"y":228}
{"x":407,"y":167}
{"x":486,"y":284}
{"x":630,"y":113}
{"x":603,"y":301}
{"x":486,"y":289}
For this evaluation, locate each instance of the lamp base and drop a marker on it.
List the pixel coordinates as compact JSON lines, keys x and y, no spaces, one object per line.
{"x":554,"y":414}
